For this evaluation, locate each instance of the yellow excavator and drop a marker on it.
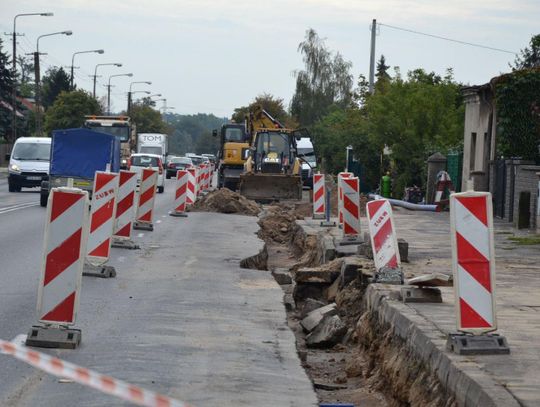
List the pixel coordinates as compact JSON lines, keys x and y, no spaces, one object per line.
{"x":234,"y":143}
{"x":272,"y":167}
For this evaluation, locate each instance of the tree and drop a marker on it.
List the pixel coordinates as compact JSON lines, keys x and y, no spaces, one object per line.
{"x":326,"y":81}
{"x":26,"y":79}
{"x":6,"y":87}
{"x":193,"y":133}
{"x":69,"y":109}
{"x":271,"y":104}
{"x":382,"y":69}
{"x":55,"y":81}
{"x":148,"y":120}
{"x":529,"y":56}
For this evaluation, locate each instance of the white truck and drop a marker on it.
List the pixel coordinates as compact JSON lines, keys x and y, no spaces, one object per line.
{"x":153,"y":143}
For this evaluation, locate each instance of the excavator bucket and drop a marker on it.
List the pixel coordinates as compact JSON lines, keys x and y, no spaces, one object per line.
{"x":270,"y":187}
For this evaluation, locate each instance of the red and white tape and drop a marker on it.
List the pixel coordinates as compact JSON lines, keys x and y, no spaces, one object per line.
{"x":87,"y":377}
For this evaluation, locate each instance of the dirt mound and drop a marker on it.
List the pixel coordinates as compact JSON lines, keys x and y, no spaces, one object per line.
{"x":226,"y":201}
{"x":277,"y":224}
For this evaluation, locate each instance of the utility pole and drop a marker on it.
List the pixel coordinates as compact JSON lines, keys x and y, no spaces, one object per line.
{"x":372,"y":57}
{"x":129,"y":103}
{"x":38,"y":93}
{"x":14,"y":89}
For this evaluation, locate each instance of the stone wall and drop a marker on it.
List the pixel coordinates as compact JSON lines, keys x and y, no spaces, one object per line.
{"x":526,"y":180}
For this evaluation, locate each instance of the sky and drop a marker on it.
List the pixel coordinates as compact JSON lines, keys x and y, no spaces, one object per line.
{"x":211,"y":56}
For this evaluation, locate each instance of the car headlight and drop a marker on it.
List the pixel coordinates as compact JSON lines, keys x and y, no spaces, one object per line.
{"x":14,"y":168}
{"x":124,"y":161}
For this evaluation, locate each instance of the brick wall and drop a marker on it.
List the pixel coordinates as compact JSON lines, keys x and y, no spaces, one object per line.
{"x":526,"y":180}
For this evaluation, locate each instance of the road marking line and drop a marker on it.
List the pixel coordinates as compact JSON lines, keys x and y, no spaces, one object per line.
{"x":140,"y":235}
{"x":17,"y":207}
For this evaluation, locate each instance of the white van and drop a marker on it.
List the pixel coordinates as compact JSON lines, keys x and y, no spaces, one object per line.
{"x":309,"y":161}
{"x":29,"y":162}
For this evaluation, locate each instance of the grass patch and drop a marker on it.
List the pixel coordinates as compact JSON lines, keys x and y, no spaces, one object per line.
{"x":525,"y":240}
{"x":504,"y":233}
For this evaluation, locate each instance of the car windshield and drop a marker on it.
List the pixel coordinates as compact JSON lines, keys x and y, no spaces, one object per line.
{"x":144,"y":161}
{"x":151,"y":150}
{"x":196,"y":160}
{"x":32,"y":152}
{"x":308,"y":154}
{"x":234,"y":134}
{"x":181,"y":160}
{"x":120,"y":132}
{"x":273,"y":146}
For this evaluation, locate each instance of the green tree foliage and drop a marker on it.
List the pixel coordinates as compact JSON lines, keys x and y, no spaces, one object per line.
{"x":271,"y":104}
{"x":382,"y":69}
{"x":414,"y":118}
{"x":69,"y":109}
{"x":326,"y":81}
{"x":340,"y":128}
{"x":193,"y":133}
{"x":6,"y":87}
{"x":55,"y":81}
{"x":26,"y":79}
{"x":518,"y":126}
{"x":529,"y":56}
{"x":147,"y":119}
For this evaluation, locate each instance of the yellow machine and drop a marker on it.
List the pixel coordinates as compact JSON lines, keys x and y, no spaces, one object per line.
{"x":272,"y":170}
{"x":234,"y":143}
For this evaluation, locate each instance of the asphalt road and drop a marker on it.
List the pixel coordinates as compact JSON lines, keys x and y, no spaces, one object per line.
{"x":181,"y":318}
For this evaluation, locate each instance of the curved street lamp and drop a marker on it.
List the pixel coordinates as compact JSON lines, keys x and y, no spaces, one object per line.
{"x":109,"y":90}
{"x":130,"y":93}
{"x":97,"y":51}
{"x":118,"y":64}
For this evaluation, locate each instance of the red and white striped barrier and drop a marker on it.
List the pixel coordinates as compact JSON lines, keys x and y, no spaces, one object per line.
{"x":350,"y":188}
{"x":147,"y":195}
{"x":87,"y":377}
{"x":383,"y":236}
{"x":319,"y":196}
{"x":102,"y":217}
{"x":199,"y":179}
{"x":192,"y":186}
{"x":204,"y":177}
{"x":340,"y":178}
{"x":182,"y":177}
{"x":125,"y":205}
{"x":444,"y":183}
{"x":473,"y":258}
{"x":64,"y":252}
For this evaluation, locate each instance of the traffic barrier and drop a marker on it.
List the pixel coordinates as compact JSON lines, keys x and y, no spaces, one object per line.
{"x":204,"y":177}
{"x":102,"y":217}
{"x":473,"y":261}
{"x":384,"y":242}
{"x":444,"y":184}
{"x":192,"y":186}
{"x":60,"y":280}
{"x":147,"y":195}
{"x":350,"y":188}
{"x":199,"y":179}
{"x":180,"y":196}
{"x":340,"y":177}
{"x":105,"y":384}
{"x":125,"y":211}
{"x":319,"y":196}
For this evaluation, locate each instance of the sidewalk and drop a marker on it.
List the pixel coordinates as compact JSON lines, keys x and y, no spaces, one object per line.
{"x":518,"y":303}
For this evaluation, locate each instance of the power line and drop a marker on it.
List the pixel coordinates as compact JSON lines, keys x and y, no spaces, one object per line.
{"x":472,"y":44}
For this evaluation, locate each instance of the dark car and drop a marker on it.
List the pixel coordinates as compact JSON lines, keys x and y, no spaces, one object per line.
{"x":177,"y":163}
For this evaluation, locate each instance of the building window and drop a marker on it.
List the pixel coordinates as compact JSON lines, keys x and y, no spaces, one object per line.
{"x":473,"y":152}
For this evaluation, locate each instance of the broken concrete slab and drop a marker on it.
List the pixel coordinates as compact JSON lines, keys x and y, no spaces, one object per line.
{"x":345,"y":251}
{"x":282,"y":276}
{"x":327,"y":333}
{"x":403,"y":247}
{"x":315,"y":275}
{"x":310,"y":304}
{"x":365,"y":248}
{"x":326,"y":248}
{"x":432,"y":280}
{"x":314,"y":318}
{"x":288,"y":301}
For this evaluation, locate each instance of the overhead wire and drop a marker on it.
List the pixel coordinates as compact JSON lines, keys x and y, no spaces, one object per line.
{"x":472,"y":44}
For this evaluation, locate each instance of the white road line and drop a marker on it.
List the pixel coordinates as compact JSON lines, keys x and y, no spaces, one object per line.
{"x":16,"y":208}
{"x":158,"y":221}
{"x":20,"y":339}
{"x":140,"y":235}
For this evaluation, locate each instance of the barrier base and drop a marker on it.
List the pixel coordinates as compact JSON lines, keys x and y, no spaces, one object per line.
{"x":348,"y":240}
{"x":178,"y":214}
{"x":318,"y":216}
{"x":99,"y":271}
{"x":388,"y":275}
{"x":143,"y":226}
{"x":485,"y":344}
{"x":328,"y":224}
{"x":53,"y":337}
{"x":421,"y":294}
{"x":124,"y":244}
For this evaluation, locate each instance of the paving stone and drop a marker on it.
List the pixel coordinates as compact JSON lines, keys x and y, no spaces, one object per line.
{"x":282,"y":276}
{"x":310,"y":322}
{"x":327,"y":333}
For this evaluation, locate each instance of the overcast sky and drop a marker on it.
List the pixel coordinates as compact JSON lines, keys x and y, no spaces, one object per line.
{"x":211,"y":56}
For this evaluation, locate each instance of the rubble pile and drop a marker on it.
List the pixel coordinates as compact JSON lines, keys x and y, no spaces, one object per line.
{"x":226,"y":201}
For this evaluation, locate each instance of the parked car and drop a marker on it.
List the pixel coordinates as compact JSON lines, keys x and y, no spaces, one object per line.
{"x":196,"y":159}
{"x":140,"y":160}
{"x":211,"y":157}
{"x":177,"y":163}
{"x":28,"y":162}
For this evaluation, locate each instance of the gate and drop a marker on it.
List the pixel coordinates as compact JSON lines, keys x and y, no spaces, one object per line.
{"x":499,"y":194}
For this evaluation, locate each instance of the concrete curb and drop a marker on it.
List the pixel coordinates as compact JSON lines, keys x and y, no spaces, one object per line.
{"x":460,"y":376}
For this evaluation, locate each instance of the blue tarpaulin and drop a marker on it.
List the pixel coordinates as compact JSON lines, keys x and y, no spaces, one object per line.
{"x":81,"y":152}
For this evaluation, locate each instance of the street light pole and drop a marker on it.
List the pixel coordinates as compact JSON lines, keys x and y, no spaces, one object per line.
{"x":38,"y":78}
{"x":129,"y":94}
{"x":97,"y":51}
{"x":109,"y":90}
{"x":14,"y":68}
{"x":118,"y":64}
